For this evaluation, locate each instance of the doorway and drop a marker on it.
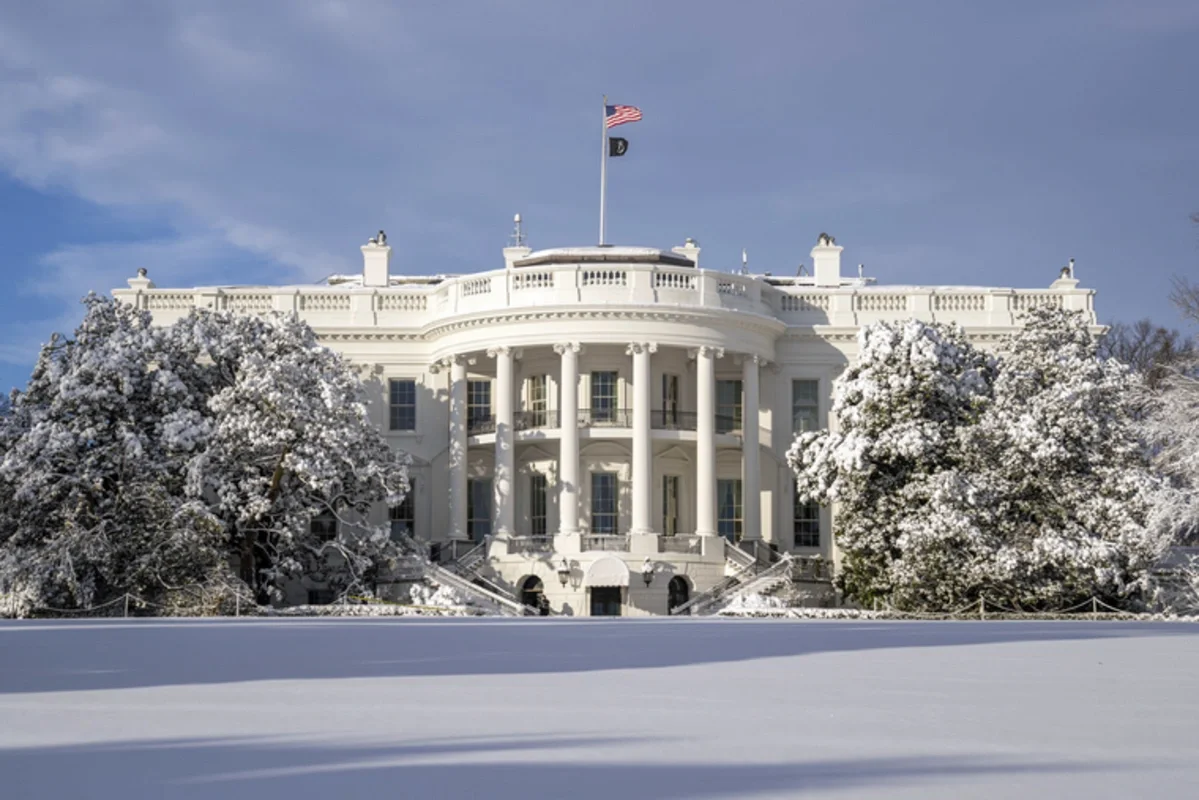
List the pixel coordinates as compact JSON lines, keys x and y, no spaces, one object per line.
{"x":678,"y":592}
{"x":605,"y":601}
{"x":531,"y":592}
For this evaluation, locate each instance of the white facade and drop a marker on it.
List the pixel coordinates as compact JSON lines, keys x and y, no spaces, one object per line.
{"x":585,"y":410}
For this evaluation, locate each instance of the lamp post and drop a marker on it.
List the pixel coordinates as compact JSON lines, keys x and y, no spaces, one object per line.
{"x":647,"y":571}
{"x":563,"y":573}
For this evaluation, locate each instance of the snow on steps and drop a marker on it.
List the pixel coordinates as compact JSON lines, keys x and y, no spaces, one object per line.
{"x":747,"y":580}
{"x":435,"y":573}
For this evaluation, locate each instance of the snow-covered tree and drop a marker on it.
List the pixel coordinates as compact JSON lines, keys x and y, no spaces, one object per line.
{"x":900,"y":408}
{"x":142,"y":458}
{"x":957,"y":476}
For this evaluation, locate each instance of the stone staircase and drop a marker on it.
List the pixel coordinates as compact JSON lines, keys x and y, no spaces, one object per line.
{"x":463,"y":575}
{"x":747,"y":575}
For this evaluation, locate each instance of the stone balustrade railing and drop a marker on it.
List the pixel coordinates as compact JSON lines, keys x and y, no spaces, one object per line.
{"x":626,"y":284}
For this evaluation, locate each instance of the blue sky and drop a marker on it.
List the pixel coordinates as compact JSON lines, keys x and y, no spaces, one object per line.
{"x":960,"y":143}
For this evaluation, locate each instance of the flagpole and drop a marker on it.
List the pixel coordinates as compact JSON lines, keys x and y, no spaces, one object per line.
{"x":604,"y":169}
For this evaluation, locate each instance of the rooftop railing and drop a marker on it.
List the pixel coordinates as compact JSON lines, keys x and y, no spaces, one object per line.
{"x":420,"y":305}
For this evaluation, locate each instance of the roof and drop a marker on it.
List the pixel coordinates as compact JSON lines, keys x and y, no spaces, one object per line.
{"x":603,"y":254}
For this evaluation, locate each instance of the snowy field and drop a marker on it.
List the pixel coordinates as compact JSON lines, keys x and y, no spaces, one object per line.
{"x":577,"y":709}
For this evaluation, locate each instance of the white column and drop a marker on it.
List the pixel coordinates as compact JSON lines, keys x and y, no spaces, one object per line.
{"x":705,"y":440}
{"x":457,"y":459}
{"x":568,"y":422}
{"x":751,"y":465}
{"x":504,"y":480}
{"x":643,"y":453}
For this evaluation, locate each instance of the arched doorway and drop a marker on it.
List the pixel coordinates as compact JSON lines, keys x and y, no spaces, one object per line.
{"x":678,"y":592}
{"x":531,"y":592}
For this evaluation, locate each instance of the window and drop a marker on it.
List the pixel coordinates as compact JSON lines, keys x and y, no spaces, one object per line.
{"x":603,"y":397}
{"x":728,"y":406}
{"x":537,"y":504}
{"x":402,"y":404}
{"x":478,"y":508}
{"x":728,"y":509}
{"x":323,"y":526}
{"x":603,"y":502}
{"x":670,"y":400}
{"x":478,"y":404}
{"x":670,"y":504}
{"x":537,"y":400}
{"x":402,"y":521}
{"x":807,"y":523}
{"x":320,"y":597}
{"x":805,"y":406}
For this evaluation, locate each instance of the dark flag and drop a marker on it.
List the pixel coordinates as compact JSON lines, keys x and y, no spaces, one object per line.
{"x":617,"y":146}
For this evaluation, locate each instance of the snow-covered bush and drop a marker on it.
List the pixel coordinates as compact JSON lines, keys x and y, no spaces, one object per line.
{"x":752,"y":602}
{"x":437,"y":596}
{"x":143,"y":459}
{"x":956,"y":475}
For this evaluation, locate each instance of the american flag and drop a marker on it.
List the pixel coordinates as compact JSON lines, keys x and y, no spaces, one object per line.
{"x":619,"y":115}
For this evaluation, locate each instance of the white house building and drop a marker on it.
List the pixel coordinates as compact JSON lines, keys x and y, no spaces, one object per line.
{"x":604,"y":427}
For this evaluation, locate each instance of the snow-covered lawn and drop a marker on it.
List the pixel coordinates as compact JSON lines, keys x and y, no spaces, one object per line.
{"x":286,"y":709}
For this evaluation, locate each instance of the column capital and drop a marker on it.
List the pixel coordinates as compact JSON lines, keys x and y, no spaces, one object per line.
{"x":707,"y":351}
{"x":574,"y":347}
{"x":641,"y":347}
{"x":456,"y":359}
{"x":752,"y":358}
{"x":503,"y":350}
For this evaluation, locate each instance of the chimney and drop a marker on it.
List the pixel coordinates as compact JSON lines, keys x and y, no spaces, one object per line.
{"x":517,"y":250}
{"x":690,"y":249}
{"x":376,"y":261}
{"x":826,"y":261}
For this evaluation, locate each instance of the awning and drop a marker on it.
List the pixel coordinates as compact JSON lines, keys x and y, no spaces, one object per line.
{"x":607,"y":571}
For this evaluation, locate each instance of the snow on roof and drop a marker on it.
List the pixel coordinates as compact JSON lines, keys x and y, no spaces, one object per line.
{"x":602,"y":253}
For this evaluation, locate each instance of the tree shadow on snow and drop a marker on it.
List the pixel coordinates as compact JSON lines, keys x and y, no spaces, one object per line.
{"x":236,"y":768}
{"x":86,"y":655}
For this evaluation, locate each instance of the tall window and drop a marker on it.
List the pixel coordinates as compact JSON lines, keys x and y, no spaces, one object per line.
{"x":537,"y":400}
{"x":402,"y":404}
{"x":807,"y":523}
{"x":402,"y":517}
{"x":670,"y":400}
{"x":478,"y":508}
{"x":323,"y":526}
{"x":603,"y":397}
{"x":603,"y":502}
{"x":805,"y":406}
{"x":670,"y":504}
{"x":728,"y":406}
{"x":478,"y":403}
{"x":728,"y":509}
{"x":537,"y":504}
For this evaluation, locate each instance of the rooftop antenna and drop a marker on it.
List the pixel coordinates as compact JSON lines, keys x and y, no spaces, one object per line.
{"x":801,"y":272}
{"x":861,"y":271}
{"x":518,"y":233}
{"x":1072,"y":268}
{"x":744,"y":262}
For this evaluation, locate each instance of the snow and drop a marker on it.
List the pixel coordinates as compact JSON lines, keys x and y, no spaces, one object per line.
{"x":447,"y":708}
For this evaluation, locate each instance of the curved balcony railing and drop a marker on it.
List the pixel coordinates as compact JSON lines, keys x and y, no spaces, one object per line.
{"x":606,"y":541}
{"x":532,"y":420}
{"x":605,"y":418}
{"x":480,"y":424}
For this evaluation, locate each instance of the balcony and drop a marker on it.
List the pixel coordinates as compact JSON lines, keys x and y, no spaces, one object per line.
{"x":605,"y":541}
{"x":602,"y":418}
{"x":688,"y":421}
{"x":532,"y":420}
{"x":605,"y":418}
{"x":531,"y":545}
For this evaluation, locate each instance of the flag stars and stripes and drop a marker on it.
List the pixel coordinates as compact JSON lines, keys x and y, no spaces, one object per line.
{"x":619,"y":115}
